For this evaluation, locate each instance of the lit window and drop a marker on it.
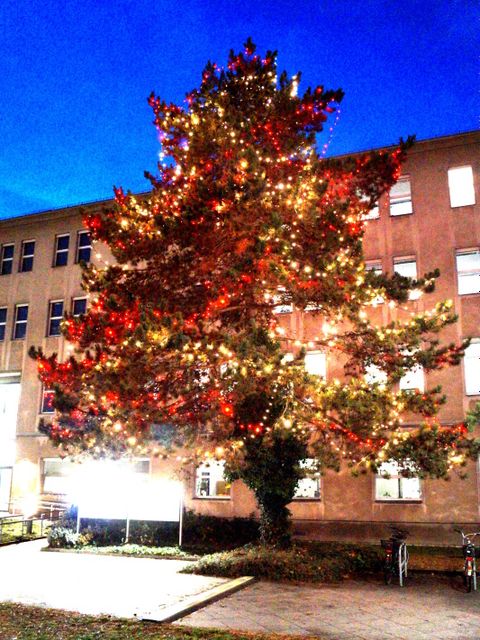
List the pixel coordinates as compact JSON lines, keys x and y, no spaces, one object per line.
{"x":468,"y":271}
{"x":406,"y":267}
{"x":376,"y":267}
{"x":316,"y":363}
{"x":414,"y":379}
{"x":55,"y":317}
{"x":374,"y":212}
{"x":20,"y":324}
{"x":79,"y":307}
{"x":309,"y":486}
{"x":84,"y":246}
{"x":28,"y":251}
{"x":401,"y":197}
{"x":3,"y":322}
{"x":47,"y":401}
{"x":61,"y":250}
{"x":471,"y":364}
{"x":391,"y":485}
{"x":375,"y":375}
{"x":210,"y":481}
{"x":460,"y":185}
{"x":281,"y":306}
{"x":7,"y":259}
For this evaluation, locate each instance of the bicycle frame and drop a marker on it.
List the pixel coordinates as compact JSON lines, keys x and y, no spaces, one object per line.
{"x":470,"y":563}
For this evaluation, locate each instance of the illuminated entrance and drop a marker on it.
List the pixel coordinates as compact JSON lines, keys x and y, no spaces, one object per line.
{"x":9,"y":398}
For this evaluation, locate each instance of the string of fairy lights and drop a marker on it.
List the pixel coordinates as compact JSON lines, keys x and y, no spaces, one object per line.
{"x":302,"y":246}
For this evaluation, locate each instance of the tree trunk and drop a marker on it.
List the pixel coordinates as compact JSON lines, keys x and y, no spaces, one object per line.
{"x":275,"y":527}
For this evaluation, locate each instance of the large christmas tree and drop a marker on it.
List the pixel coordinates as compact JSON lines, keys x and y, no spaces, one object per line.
{"x":182,"y":344}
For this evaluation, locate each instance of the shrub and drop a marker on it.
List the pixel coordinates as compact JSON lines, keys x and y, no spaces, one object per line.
{"x":63,"y":538}
{"x":299,"y":563}
{"x":200,"y":533}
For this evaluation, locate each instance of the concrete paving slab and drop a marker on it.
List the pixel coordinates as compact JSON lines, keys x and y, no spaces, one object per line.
{"x":119,"y":586}
{"x":429,"y":607}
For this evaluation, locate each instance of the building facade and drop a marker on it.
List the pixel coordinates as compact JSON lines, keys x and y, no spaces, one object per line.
{"x":430,"y":219}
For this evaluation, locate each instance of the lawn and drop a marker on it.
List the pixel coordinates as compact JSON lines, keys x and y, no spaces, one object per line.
{"x":19,"y":622}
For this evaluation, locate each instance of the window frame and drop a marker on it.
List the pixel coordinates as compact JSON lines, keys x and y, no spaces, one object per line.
{"x":452,"y":186}
{"x":197,"y":482}
{"x":316,"y":352}
{"x":466,"y":252}
{"x":81,"y":233}
{"x":4,"y":260}
{"x":476,"y":375}
{"x":52,"y":318}
{"x":58,"y":251}
{"x":75,"y":299}
{"x":44,"y":392}
{"x":399,"y":499}
{"x":400,"y":199}
{"x":29,"y":256}
{"x":3,"y":324}
{"x":18,"y":322}
{"x":313,"y":476}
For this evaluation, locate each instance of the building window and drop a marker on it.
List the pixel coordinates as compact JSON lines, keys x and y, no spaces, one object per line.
{"x":210,"y":481}
{"x":3,"y":322}
{"x":84,"y":246}
{"x":28,"y":251}
{"x":401,"y":197}
{"x":468,"y":271}
{"x":391,"y":485}
{"x":47,"y":401}
{"x":55,"y":317}
{"x":375,"y":266}
{"x":61,"y":250}
{"x":278,"y":299}
{"x":20,"y":324}
{"x":79,"y":307}
{"x":7,"y":259}
{"x":460,"y":186}
{"x":413,"y":380}
{"x":406,"y":267}
{"x":374,"y":212}
{"x":316,"y":363}
{"x":471,"y":364}
{"x":375,"y":375}
{"x":309,"y":486}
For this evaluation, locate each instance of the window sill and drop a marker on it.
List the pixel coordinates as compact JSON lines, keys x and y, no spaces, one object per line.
{"x":217,"y":498}
{"x":473,"y":293}
{"x":400,"y":215}
{"x":399,"y":501}
{"x":306,"y":500}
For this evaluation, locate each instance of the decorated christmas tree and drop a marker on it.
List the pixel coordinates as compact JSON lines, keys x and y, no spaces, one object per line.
{"x":182,"y":344}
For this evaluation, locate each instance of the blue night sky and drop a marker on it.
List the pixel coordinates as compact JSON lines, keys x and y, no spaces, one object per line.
{"x":75,"y":75}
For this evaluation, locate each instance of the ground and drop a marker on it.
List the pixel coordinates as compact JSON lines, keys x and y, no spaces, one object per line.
{"x":429,"y":607}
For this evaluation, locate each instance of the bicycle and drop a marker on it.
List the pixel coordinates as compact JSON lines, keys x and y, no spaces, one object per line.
{"x":470,"y":564}
{"x":396,"y":556}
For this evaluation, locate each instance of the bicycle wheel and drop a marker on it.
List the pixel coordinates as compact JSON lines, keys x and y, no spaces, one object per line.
{"x":468,"y":580}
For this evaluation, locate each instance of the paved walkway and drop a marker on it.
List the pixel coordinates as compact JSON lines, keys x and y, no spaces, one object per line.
{"x":429,"y":607}
{"x":123,"y":587}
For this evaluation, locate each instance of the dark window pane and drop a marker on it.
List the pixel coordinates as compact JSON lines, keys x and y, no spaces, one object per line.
{"x":20,"y":330}
{"x":56,"y":309}
{"x":54,"y":327}
{"x":47,"y":402}
{"x":27,"y":264}
{"x":22,"y":312}
{"x":7,"y":267}
{"x":29,"y":248}
{"x":61,"y":259}
{"x":8,"y":251}
{"x":84,"y":255}
{"x":63,"y":242}
{"x":84,"y":240}
{"x":3,"y":315}
{"x":2,"y":332}
{"x":79,"y":307}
